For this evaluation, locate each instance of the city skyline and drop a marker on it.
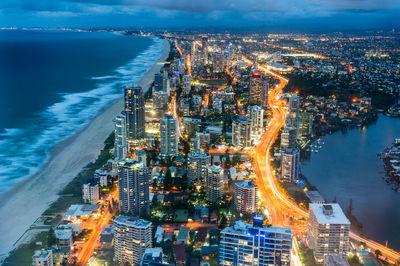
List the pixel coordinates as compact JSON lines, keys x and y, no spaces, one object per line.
{"x":200,"y":132}
{"x":264,"y":15}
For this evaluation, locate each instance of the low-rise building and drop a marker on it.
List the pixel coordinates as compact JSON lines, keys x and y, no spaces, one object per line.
{"x":43,"y":257}
{"x":253,"y":244}
{"x":90,"y":191}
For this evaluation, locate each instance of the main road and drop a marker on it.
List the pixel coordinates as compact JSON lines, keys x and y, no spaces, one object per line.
{"x":282,"y":210}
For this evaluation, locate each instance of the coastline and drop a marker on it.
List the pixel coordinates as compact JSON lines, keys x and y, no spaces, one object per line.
{"x":26,"y":202}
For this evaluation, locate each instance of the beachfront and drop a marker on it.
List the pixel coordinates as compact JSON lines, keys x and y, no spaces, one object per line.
{"x":25,"y":203}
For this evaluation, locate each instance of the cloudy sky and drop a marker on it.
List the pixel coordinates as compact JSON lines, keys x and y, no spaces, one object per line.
{"x":275,"y":14}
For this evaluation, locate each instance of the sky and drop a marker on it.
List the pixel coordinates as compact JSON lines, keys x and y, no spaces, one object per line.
{"x":257,"y":14}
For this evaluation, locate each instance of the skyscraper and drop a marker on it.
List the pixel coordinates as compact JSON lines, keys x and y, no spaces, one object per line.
{"x":290,"y":164}
{"x":214,"y":183}
{"x":197,"y":167}
{"x":241,"y":132}
{"x":158,"y":80}
{"x":245,"y":196}
{"x":288,"y":138}
{"x":256,"y":116}
{"x":133,"y":185}
{"x":259,"y":90}
{"x":195,"y":145}
{"x":166,"y":85}
{"x":293,"y":119}
{"x":131,"y":239}
{"x":134,"y":112}
{"x":328,"y":230}
{"x":186,"y":84}
{"x":169,"y":136}
{"x":245,"y":244}
{"x":120,"y":147}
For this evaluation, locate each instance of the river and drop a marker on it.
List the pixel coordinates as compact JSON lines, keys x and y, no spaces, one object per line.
{"x":348,"y":167}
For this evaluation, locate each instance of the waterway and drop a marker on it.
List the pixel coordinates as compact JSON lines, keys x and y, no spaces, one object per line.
{"x":347,"y":167}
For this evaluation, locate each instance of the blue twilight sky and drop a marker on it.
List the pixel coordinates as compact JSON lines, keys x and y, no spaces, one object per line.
{"x":273,"y":14}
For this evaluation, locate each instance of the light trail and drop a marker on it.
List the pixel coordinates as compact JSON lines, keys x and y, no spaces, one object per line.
{"x":93,"y":241}
{"x":178,"y":48}
{"x":295,"y":50}
{"x":174,"y":114}
{"x":280,"y":202}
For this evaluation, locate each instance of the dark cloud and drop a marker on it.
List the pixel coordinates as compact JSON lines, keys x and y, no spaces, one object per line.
{"x":202,"y":12}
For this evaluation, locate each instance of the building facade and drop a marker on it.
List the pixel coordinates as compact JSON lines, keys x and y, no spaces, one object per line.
{"x":328,"y":231}
{"x":43,"y":257}
{"x":90,"y":191}
{"x":197,"y":167}
{"x":247,"y":244}
{"x":169,"y":136}
{"x":133,"y":186}
{"x":241,"y":132}
{"x":288,"y":138}
{"x":120,"y":146}
{"x":186,"y":84}
{"x":245,"y":196}
{"x":290,"y":164}
{"x":215,"y":183}
{"x":131,"y":239}
{"x":134,"y":112}
{"x":256,"y":116}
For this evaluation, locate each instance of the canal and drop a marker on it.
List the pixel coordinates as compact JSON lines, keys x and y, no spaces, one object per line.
{"x":347,"y":167}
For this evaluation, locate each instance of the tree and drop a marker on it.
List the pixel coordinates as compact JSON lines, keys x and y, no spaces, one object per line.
{"x":167,"y":180}
{"x":350,"y":208}
{"x":378,"y":253}
{"x":354,"y":261}
{"x":51,"y":238}
{"x":334,"y":200}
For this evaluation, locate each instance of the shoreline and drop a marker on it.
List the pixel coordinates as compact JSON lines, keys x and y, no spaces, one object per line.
{"x":66,"y":160}
{"x":359,"y":222}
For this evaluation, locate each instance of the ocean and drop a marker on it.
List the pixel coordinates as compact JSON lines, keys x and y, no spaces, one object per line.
{"x":52,"y":83}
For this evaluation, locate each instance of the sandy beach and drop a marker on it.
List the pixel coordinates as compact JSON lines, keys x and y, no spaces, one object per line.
{"x":21,"y":206}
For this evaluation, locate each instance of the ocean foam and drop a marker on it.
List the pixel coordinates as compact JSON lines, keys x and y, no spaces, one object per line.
{"x":23,"y":151}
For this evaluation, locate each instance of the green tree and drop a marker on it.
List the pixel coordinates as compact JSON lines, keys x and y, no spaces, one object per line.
{"x":167,"y":180}
{"x":51,"y":237}
{"x":378,"y":253}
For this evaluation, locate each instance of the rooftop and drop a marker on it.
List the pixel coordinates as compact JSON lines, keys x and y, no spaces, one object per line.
{"x":132,"y":221}
{"x":329,"y":213}
{"x":80,"y":210}
{"x":315,"y":196}
{"x":245,"y":184}
{"x":241,"y":227}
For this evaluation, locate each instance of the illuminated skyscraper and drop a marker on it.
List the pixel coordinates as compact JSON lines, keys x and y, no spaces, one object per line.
{"x":290,"y":164}
{"x":169,"y":136}
{"x":197,"y":167}
{"x":245,"y":196}
{"x":133,"y":185}
{"x":328,"y":230}
{"x":256,"y":116}
{"x":259,"y":90}
{"x":131,"y":239}
{"x":293,"y":119}
{"x":134,"y":112}
{"x":214,"y":183}
{"x":241,"y":132}
{"x":120,"y":147}
{"x":186,"y":84}
{"x":288,"y":138}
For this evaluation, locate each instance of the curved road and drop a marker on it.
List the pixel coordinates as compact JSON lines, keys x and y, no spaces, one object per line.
{"x":280,"y":206}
